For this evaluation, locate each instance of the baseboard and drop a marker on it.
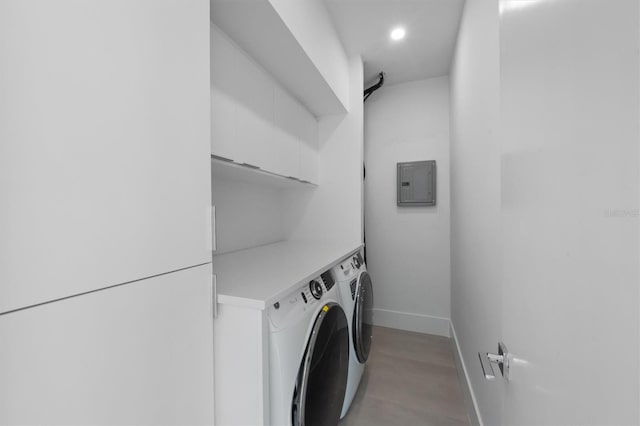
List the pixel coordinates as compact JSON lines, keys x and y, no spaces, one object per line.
{"x":472,"y":404}
{"x":411,"y":322}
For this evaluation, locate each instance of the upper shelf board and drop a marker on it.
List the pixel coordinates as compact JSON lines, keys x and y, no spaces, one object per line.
{"x":259,"y":30}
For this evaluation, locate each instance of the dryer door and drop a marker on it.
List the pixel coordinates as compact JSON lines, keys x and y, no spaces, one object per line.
{"x":322,"y":378}
{"x":363,"y":317}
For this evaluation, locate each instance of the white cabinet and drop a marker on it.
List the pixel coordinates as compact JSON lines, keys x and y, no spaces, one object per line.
{"x":224,"y":86}
{"x":297,"y":131}
{"x":287,"y":132}
{"x":256,"y":121}
{"x":254,"y":112}
{"x":140,"y":353}
{"x":308,"y":148}
{"x":296,"y":42}
{"x":242,"y":366}
{"x":105,"y":152}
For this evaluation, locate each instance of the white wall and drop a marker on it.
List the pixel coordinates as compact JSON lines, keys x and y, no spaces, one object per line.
{"x":333,"y":210}
{"x":247,"y":214}
{"x":408,"y":247}
{"x":475,"y":196}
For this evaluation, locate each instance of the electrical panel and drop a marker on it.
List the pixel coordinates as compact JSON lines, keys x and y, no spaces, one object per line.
{"x":417,"y":183}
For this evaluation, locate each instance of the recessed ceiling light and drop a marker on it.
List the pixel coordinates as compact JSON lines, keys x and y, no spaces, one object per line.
{"x":398,"y":33}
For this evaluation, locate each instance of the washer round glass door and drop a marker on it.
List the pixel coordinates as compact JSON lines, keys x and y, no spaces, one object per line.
{"x":363,"y":317}
{"x":322,"y":378}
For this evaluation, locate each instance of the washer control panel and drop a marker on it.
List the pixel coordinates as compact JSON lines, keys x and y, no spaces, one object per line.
{"x":316,"y":289}
{"x":296,"y":303}
{"x":291,"y":307}
{"x":328,"y":280}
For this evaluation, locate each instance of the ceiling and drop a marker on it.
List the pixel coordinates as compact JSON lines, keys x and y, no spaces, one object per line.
{"x":425,"y":52}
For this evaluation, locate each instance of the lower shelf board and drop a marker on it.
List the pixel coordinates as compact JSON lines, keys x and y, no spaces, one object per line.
{"x":229,"y":169}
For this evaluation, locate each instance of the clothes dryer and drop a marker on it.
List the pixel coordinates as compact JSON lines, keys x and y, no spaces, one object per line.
{"x":356,"y":294}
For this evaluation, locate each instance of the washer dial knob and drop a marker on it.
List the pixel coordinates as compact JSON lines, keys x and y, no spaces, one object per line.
{"x":316,"y":289}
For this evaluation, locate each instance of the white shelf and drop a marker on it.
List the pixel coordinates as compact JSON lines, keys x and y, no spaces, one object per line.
{"x":256,"y":277}
{"x":228,"y":169}
{"x":259,"y":30}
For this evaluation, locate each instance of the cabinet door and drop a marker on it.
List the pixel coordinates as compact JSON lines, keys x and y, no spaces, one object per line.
{"x":254,"y":119}
{"x":569,"y":211}
{"x":104,"y":160}
{"x":309,"y":147}
{"x":254,"y":113}
{"x":140,"y":353}
{"x":242,"y":96}
{"x":288,"y":133}
{"x":225,"y":85}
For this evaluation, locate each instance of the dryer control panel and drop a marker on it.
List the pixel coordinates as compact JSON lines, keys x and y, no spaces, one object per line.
{"x":358,"y":261}
{"x":349,"y":268}
{"x":353,"y":285}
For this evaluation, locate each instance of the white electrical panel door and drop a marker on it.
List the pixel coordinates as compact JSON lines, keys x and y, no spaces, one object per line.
{"x":105,"y":153}
{"x":136,"y":354}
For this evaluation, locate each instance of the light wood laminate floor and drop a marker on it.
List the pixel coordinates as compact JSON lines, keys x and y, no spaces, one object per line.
{"x":410,"y":380}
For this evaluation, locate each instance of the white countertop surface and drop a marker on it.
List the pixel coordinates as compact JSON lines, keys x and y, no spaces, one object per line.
{"x":259,"y":276}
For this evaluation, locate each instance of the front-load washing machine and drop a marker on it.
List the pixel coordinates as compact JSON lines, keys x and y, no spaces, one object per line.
{"x":356,"y":294}
{"x":309,"y":355}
